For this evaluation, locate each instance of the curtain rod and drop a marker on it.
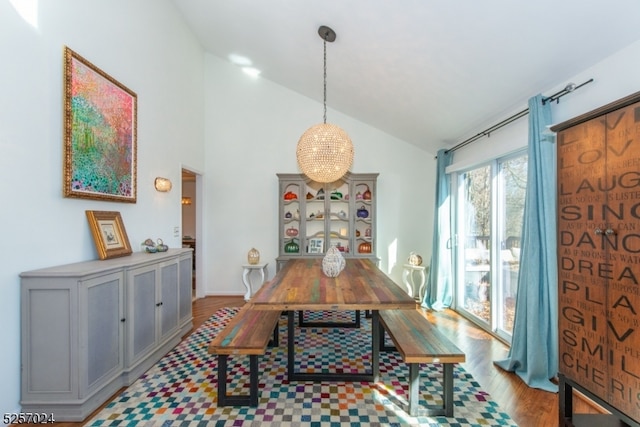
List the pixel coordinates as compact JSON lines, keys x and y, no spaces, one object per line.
{"x":487,"y":132}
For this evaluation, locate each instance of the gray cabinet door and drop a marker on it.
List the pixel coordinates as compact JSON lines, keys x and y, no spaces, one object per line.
{"x":142,"y":321}
{"x":49,"y":345}
{"x":168,"y":309}
{"x":185,"y":291}
{"x":101,"y":330}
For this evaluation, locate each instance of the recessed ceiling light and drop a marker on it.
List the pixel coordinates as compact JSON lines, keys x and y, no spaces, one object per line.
{"x":253,"y":72}
{"x":240,"y":60}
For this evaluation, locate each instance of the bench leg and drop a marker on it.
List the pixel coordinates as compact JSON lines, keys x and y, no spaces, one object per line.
{"x":382,"y":345}
{"x":448,"y":389}
{"x":275,"y":341}
{"x":414,"y":388}
{"x":222,"y":379}
{"x":237,"y":400}
{"x":253,"y":379}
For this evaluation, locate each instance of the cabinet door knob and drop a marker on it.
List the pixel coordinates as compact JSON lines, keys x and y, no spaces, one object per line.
{"x":609,"y":232}
{"x":123,"y":319}
{"x":598,"y":231}
{"x":159,"y":304}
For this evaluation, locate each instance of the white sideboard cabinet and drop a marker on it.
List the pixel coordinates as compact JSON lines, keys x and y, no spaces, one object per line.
{"x":92,"y":327}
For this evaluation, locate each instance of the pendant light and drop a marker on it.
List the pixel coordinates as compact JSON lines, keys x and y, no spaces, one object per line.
{"x":325,"y":151}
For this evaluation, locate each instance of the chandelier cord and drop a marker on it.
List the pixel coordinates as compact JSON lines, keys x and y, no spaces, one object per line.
{"x":325,"y":151}
{"x":325,"y":80}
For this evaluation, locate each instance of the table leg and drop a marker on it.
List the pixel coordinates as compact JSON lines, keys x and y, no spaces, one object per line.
{"x":375,"y":345}
{"x":290,"y":346}
{"x":371,"y":375}
{"x":317,"y":324}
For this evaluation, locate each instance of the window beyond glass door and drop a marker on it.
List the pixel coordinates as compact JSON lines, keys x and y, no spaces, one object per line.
{"x":489,"y":225}
{"x":511,"y":193}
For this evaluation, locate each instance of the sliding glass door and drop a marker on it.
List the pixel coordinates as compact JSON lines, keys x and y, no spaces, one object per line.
{"x":490,"y":205}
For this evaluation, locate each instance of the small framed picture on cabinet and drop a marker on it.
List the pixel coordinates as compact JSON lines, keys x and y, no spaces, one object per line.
{"x":109,"y":234}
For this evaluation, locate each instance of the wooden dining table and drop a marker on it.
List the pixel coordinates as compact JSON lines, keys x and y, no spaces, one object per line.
{"x":302,"y":285}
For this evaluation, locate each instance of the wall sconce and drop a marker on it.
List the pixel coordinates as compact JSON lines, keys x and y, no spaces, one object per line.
{"x":163,"y":184}
{"x":186,"y":200}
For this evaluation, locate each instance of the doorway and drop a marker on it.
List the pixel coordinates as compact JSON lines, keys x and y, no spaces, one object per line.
{"x":189,"y":209}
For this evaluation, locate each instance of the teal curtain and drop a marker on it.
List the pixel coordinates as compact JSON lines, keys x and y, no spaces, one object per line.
{"x":534,"y":348}
{"x":438,"y":293}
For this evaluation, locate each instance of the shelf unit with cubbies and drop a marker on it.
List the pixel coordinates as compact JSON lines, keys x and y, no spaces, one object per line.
{"x":315,"y":216}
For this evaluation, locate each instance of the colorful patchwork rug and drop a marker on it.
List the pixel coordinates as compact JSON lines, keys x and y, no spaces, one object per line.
{"x":181,"y":389}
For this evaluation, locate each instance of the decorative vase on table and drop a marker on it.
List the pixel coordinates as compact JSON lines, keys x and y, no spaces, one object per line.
{"x":253,"y":256}
{"x":333,"y":262}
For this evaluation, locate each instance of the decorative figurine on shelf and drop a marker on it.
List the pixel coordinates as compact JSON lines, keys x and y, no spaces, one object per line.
{"x":253,"y":257}
{"x":364,"y":248}
{"x":149,"y":246}
{"x":152,"y":247}
{"x":333,"y":262}
{"x":291,"y":232}
{"x":367,"y":194}
{"x":290,"y":195}
{"x":161,"y":246}
{"x":362,"y":212}
{"x":415,"y":259}
{"x":292,"y":247}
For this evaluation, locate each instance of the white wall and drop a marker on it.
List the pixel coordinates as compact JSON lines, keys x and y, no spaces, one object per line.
{"x":613,"y":78}
{"x":252,"y":129}
{"x":145,"y":46}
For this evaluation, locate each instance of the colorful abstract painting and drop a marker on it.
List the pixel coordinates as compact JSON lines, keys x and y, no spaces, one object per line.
{"x":100,"y":134}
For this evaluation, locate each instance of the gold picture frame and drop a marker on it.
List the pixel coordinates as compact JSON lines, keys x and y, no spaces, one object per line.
{"x":109,"y":234}
{"x":100,"y":133}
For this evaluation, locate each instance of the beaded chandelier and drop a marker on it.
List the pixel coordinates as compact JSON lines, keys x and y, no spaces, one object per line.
{"x":325,"y":151}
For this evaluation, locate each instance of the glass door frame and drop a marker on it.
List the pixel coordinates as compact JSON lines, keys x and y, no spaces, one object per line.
{"x":495,"y":244}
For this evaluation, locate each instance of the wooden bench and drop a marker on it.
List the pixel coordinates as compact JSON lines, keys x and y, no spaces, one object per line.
{"x":248,"y":333}
{"x":418,"y":341}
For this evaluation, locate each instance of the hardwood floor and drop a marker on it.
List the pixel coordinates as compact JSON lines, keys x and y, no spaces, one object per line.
{"x":527,"y":407}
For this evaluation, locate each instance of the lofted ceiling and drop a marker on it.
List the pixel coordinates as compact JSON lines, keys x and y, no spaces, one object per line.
{"x":429,"y":72}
